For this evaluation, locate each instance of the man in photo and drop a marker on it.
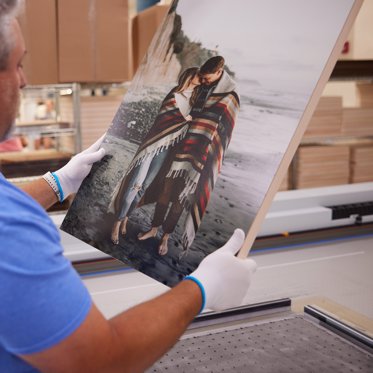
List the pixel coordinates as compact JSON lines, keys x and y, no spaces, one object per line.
{"x":196,"y":161}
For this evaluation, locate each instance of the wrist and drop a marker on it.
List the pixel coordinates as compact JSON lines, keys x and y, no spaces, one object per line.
{"x":53,"y":181}
{"x":60,"y":190}
{"x":201,"y":288}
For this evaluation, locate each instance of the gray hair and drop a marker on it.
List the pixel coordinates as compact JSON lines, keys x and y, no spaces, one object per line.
{"x":8,"y":10}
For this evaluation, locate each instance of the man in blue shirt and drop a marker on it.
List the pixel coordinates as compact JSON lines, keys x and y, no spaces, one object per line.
{"x":48,"y":321}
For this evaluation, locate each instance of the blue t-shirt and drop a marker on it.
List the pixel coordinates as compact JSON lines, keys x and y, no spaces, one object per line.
{"x":42,"y":299}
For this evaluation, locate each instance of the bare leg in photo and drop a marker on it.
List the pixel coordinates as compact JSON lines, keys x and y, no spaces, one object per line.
{"x":149,"y":234}
{"x":169,"y":226}
{"x":163,"y":246}
{"x":119,"y":226}
{"x":123,"y":226}
{"x":165,"y":216}
{"x":115,"y":232}
{"x":159,"y":215}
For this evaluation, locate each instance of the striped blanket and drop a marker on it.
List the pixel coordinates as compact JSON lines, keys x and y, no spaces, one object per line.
{"x":201,"y":155}
{"x":169,"y":128}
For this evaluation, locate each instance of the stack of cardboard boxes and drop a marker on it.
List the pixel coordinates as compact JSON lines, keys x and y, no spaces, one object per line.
{"x":77,"y":41}
{"x":87,"y":41}
{"x":93,"y":41}
{"x":319,"y":166}
{"x":362,"y":156}
{"x":343,"y":158}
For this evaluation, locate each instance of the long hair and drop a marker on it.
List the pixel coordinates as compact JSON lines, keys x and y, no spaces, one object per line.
{"x":185,"y":77}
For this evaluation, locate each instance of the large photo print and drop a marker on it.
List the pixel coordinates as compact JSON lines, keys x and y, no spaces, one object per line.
{"x":200,"y":135}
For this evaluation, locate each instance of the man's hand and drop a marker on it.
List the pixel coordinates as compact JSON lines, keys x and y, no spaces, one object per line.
{"x":225,"y":279}
{"x":72,"y":175}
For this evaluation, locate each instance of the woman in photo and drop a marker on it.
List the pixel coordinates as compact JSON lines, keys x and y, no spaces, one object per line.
{"x":169,"y":128}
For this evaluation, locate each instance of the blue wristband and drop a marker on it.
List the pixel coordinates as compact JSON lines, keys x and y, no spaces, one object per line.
{"x":59,"y":186}
{"x":203,"y":293}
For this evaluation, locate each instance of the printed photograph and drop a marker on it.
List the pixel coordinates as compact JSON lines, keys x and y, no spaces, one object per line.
{"x":199,"y":136}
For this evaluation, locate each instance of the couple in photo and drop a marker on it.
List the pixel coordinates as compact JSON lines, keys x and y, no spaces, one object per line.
{"x":178,"y":162}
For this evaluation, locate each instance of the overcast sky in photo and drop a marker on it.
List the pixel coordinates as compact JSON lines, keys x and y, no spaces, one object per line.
{"x":270,"y":41}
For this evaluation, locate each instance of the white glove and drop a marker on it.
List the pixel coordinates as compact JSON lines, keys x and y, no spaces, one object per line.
{"x":223,"y":278}
{"x":76,"y":170}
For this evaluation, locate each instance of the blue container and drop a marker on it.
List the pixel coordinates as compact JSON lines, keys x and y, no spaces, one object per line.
{"x":143,"y":4}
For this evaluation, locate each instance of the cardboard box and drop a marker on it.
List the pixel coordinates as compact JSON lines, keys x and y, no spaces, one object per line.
{"x":94,"y":42}
{"x":319,"y":166}
{"x":144,"y":27}
{"x":365,"y":94}
{"x":39,"y":26}
{"x":326,"y":119}
{"x":357,"y":121}
{"x":361,"y":164}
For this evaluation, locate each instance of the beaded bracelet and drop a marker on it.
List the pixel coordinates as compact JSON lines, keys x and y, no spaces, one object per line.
{"x":62,"y":197}
{"x":52,"y":182}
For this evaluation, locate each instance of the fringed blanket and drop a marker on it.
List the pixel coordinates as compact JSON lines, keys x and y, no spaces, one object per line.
{"x":201,"y":156}
{"x":169,"y":128}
